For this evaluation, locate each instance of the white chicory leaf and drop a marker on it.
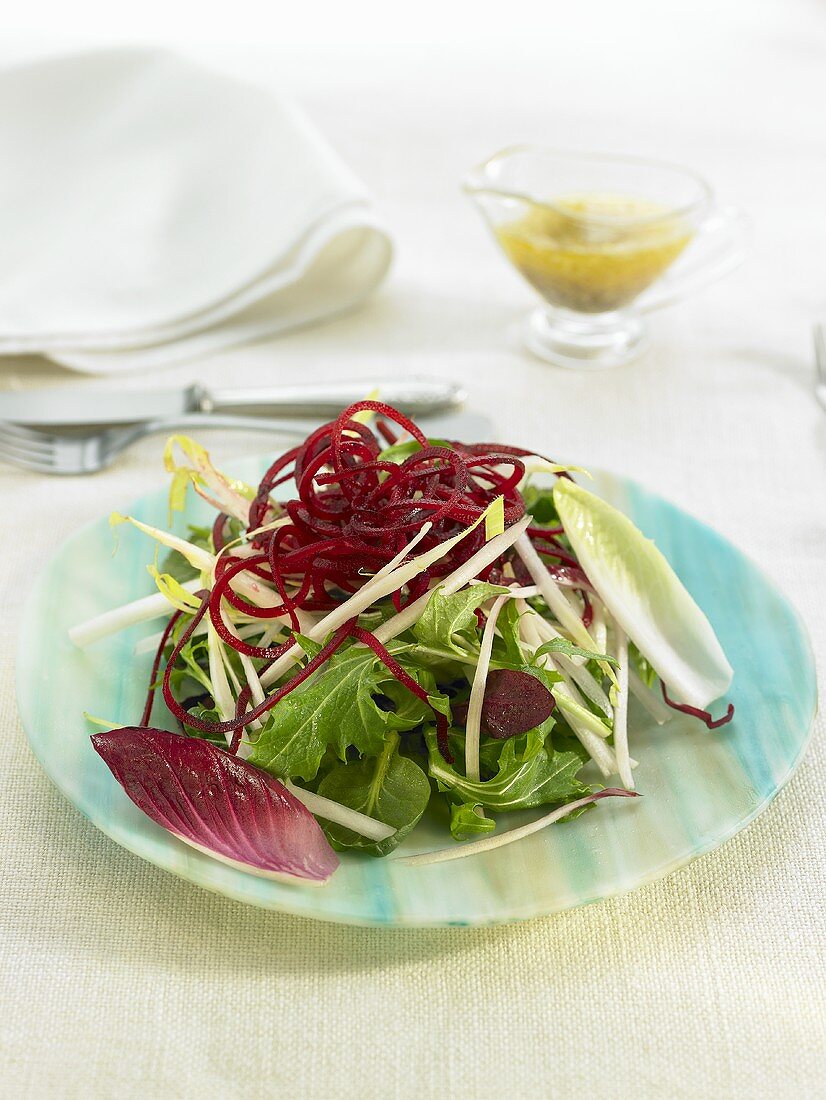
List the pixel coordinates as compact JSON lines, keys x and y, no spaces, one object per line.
{"x":645,"y":596}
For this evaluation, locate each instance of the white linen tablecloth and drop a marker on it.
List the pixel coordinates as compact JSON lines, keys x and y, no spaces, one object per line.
{"x":121,"y":981}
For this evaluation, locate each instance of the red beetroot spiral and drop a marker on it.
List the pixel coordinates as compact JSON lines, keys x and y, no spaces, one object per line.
{"x":156,"y":664}
{"x":353,"y":512}
{"x":705,"y":716}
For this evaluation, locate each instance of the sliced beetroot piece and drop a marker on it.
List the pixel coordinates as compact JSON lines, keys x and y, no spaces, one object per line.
{"x":514,"y":703}
{"x":218,"y":803}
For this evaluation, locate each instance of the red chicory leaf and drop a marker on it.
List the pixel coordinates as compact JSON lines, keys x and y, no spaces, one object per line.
{"x":218,"y":803}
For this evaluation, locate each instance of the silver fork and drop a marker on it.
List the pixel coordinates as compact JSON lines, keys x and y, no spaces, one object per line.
{"x":820,"y":363}
{"x":56,"y":453}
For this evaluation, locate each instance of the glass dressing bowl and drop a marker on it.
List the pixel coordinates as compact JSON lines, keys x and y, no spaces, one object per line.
{"x":596,"y":236}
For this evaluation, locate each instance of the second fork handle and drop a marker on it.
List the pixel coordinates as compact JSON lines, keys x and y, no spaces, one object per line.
{"x":291,"y":427}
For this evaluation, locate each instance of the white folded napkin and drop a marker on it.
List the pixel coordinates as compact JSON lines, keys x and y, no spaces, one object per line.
{"x":152,"y":211}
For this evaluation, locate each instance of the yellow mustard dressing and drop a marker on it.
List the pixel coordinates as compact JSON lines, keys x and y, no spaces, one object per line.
{"x":593,"y":252}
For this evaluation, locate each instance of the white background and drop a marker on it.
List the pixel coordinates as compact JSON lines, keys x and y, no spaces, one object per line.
{"x":126,"y":982}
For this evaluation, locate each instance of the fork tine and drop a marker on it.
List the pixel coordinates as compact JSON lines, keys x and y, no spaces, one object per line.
{"x":20,"y":431}
{"x":31,"y":441}
{"x":26,"y":461}
{"x":12,"y":447}
{"x":12,"y":451}
{"x":24,"y":447}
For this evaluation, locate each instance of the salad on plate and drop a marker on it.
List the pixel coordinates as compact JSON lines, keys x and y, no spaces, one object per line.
{"x":389,"y":625}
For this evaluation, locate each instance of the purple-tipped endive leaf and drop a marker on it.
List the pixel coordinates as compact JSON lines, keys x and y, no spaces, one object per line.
{"x":645,"y":596}
{"x":218,"y":803}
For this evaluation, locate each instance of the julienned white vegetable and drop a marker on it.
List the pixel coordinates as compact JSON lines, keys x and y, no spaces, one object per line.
{"x":578,"y":672}
{"x":380,"y":585}
{"x":341,"y":815}
{"x":644,"y":595}
{"x":158,"y":605}
{"x":145,"y":609}
{"x":652,"y":701}
{"x":553,"y":595}
{"x":222,"y":692}
{"x":460,"y":576}
{"x":567,"y":697}
{"x":488,"y":843}
{"x":477,"y":692}
{"x":621,"y":712}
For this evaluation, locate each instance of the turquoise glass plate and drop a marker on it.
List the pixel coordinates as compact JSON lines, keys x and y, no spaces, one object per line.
{"x":700,"y":787}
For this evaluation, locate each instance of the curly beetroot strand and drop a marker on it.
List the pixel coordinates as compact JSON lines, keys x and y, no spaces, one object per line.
{"x":697,"y":712}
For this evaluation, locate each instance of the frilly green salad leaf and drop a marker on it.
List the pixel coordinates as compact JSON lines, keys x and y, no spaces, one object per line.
{"x":568,"y":649}
{"x":507,"y":645}
{"x":645,"y":596}
{"x":340,"y":708}
{"x":530,"y":774}
{"x":466,"y":823}
{"x":310,"y":647}
{"x":540,"y":503}
{"x":191,"y":671}
{"x":449,"y":622}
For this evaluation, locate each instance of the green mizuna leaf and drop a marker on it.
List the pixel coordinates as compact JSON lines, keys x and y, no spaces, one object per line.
{"x":507,"y":649}
{"x":398,"y":452}
{"x":449,"y":622}
{"x":529,"y":775}
{"x":340,"y":707}
{"x":310,"y":647}
{"x":389,"y":787}
{"x":192,"y":663}
{"x":540,"y":503}
{"x":465,"y":823}
{"x":568,"y":649}
{"x":208,"y":714}
{"x":489,"y":751}
{"x":645,"y":596}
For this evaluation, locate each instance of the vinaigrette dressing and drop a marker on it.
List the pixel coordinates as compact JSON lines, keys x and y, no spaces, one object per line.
{"x":593,"y":253}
